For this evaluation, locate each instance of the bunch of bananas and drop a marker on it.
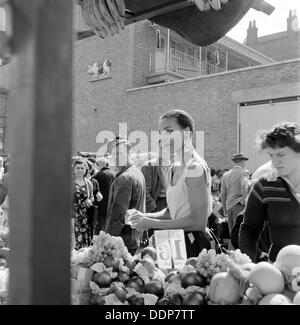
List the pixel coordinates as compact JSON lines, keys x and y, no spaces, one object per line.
{"x":205,"y":5}
{"x":104,"y":17}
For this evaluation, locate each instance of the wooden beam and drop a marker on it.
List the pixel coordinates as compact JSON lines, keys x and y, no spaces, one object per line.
{"x":40,"y":131}
{"x":157,"y":11}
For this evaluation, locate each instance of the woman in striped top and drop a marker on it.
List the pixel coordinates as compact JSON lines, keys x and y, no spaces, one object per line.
{"x":276,"y":199}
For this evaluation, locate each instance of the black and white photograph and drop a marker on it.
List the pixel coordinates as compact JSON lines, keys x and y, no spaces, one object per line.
{"x":149,"y":155}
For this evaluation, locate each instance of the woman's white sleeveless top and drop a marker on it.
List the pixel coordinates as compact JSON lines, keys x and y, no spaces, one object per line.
{"x":177,"y":195}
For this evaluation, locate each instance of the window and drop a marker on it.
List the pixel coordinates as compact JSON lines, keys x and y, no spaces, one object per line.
{"x":158,"y":39}
{"x":191,"y":51}
{"x":180,"y":47}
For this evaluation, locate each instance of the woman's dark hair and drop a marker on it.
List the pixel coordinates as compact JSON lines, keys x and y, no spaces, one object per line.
{"x":6,"y":165}
{"x":92,"y":160}
{"x":183,"y":118}
{"x":212,"y":172}
{"x":285,"y":134}
{"x":89,"y":164}
{"x":89,"y":168}
{"x":79,"y":161}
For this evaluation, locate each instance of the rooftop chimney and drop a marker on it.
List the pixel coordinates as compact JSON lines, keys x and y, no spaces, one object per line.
{"x":292,"y":21}
{"x":252,"y":34}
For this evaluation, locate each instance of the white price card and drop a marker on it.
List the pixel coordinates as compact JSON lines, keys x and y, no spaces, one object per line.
{"x":163,"y":249}
{"x":171,"y":249}
{"x":178,"y":248}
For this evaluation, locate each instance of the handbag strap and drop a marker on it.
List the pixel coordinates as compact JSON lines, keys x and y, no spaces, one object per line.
{"x":88,"y":186}
{"x":218,"y":245}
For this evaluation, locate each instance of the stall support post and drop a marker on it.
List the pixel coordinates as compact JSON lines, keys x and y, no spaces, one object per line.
{"x":40,"y":144}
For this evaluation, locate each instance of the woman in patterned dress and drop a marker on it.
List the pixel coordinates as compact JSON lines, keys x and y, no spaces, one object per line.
{"x":82,"y":200}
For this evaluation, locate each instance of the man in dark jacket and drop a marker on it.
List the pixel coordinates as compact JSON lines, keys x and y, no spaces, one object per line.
{"x":155,"y":173}
{"x":127,"y":191}
{"x":104,"y":177}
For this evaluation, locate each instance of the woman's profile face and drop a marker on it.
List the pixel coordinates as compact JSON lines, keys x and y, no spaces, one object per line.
{"x":79,"y":170}
{"x":171,"y":133}
{"x":285,"y":160}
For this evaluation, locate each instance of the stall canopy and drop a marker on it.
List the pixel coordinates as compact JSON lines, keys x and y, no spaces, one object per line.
{"x":184,"y":17}
{"x":201,"y":22}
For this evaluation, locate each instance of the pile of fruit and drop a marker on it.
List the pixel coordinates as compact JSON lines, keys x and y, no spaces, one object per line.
{"x":4,"y":234}
{"x":108,"y":275}
{"x":4,"y":271}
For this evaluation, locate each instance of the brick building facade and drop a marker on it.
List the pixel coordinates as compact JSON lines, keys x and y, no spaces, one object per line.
{"x":279,"y":46}
{"x":212,"y":99}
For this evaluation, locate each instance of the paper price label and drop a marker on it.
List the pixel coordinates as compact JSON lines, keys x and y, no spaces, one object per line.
{"x":171,"y":249}
{"x":163,"y":249}
{"x":178,"y":248}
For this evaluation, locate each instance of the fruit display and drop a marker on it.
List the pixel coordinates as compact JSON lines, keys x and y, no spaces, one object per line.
{"x":106,"y":274}
{"x":4,"y":235}
{"x":4,"y":271}
{"x":4,"y":274}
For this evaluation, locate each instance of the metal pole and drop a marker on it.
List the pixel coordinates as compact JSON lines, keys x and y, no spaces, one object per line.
{"x":168,"y":50}
{"x":200,"y":58}
{"x":226,"y":60}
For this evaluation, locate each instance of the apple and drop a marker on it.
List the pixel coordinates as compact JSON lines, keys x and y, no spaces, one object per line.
{"x":192,"y":261}
{"x":97,"y":300}
{"x":123,"y":276}
{"x":192,"y":278}
{"x":296,"y":299}
{"x":176,"y":300}
{"x":149,"y":265}
{"x":135,"y":300}
{"x":155,"y":288}
{"x":130,"y":264}
{"x":169,"y":275}
{"x":193,"y":298}
{"x":110,"y":261}
{"x":103,"y":279}
{"x":176,"y":278}
{"x":136,"y":283}
{"x":163,"y":301}
{"x":150,"y":251}
{"x":118,"y":292}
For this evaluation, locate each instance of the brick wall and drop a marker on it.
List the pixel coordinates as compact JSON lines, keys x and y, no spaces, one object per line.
{"x":209,"y":100}
{"x":284,"y":48}
{"x":103,"y":104}
{"x":144,"y":43}
{"x":95,"y":102}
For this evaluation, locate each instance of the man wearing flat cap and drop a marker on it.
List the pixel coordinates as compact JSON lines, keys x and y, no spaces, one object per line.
{"x":234,"y":189}
{"x":127,"y":191}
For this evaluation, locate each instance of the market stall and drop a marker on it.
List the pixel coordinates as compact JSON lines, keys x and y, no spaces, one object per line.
{"x":106,"y":274}
{"x":40,"y":111}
